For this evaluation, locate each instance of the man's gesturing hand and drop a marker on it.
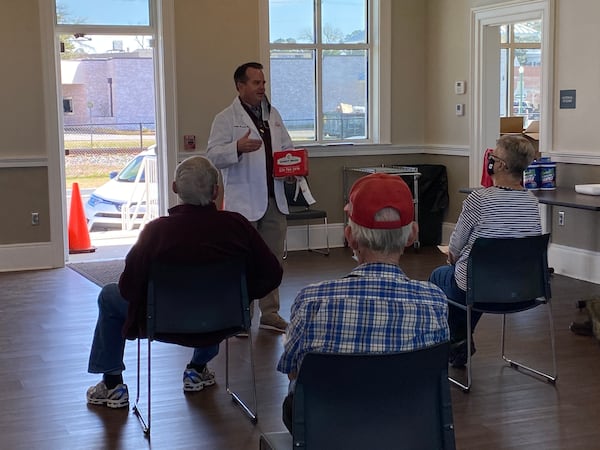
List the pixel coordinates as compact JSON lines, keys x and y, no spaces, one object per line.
{"x":247,"y":145}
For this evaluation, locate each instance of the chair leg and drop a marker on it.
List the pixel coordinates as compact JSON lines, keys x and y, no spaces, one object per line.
{"x":551,"y":378}
{"x":466,"y":387}
{"x":251,"y":413}
{"x":136,"y":409}
{"x":285,"y":250}
{"x":316,"y":250}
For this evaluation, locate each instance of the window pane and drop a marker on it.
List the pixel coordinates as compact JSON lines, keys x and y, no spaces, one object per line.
{"x":527,"y":83}
{"x":103,"y":12}
{"x":108,"y":45}
{"x":344,"y":94}
{"x":291,"y":21}
{"x":504,"y":87}
{"x":343,"y":21}
{"x":293,"y":91}
{"x":504,"y":34}
{"x":528,"y":32}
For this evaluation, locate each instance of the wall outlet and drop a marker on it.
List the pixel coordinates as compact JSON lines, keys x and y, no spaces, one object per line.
{"x":35,"y":218}
{"x":561,"y":218}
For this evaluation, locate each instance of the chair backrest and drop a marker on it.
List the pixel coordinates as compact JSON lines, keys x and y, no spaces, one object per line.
{"x":375,"y":401}
{"x":508,"y":271}
{"x":292,"y":199}
{"x":197,"y":299}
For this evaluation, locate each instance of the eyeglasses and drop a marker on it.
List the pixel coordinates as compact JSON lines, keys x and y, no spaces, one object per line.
{"x":496,"y":158}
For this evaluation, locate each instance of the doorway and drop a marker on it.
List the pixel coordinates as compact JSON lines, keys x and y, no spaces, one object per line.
{"x":109,"y":88}
{"x":490,"y":59}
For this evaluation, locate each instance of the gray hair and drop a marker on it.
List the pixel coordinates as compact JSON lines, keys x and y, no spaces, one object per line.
{"x":196,"y":178}
{"x":518,"y":152}
{"x":382,"y":240}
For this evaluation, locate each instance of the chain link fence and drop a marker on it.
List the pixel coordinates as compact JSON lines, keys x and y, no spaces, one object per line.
{"x":92,"y":151}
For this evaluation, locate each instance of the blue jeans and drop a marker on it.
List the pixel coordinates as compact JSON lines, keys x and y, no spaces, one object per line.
{"x":443,"y":277}
{"x":108,"y":346}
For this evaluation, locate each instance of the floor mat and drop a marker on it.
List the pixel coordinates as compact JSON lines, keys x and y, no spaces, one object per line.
{"x":100,"y":272}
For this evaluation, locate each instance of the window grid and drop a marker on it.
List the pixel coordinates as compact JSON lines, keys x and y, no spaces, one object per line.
{"x":319,"y":49}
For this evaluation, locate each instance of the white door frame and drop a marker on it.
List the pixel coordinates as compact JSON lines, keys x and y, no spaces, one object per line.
{"x":482,"y":133}
{"x":162,"y":18}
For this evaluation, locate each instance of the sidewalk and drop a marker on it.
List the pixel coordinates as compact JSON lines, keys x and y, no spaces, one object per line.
{"x":113,"y":244}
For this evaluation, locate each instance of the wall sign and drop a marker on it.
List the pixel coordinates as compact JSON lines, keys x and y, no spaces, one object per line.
{"x":568,"y":99}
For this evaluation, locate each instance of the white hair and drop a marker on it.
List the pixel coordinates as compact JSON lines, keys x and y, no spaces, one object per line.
{"x":383,"y":240}
{"x":196,"y":178}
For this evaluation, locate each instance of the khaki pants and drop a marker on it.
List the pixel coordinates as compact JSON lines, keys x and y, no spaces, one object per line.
{"x":272,"y":227}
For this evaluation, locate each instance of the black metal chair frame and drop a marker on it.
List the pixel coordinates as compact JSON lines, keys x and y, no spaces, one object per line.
{"x":196,"y":300}
{"x":300,"y":210}
{"x":506,"y":276}
{"x":359,"y":401}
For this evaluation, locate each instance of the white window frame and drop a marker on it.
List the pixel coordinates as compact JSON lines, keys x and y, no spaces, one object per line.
{"x":379,"y":71}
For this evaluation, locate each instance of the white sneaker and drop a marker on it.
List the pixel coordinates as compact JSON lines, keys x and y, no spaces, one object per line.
{"x":113,"y":398}
{"x":196,"y":381}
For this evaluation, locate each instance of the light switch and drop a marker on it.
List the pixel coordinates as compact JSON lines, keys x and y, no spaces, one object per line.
{"x":460,"y":109}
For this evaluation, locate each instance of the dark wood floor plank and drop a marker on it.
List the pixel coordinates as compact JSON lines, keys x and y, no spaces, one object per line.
{"x":47,"y":320}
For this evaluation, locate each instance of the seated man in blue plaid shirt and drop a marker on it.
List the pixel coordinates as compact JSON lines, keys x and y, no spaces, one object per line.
{"x":376,"y":308}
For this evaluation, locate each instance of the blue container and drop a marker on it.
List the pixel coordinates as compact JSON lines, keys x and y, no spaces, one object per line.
{"x":531,"y":176}
{"x":547,"y":174}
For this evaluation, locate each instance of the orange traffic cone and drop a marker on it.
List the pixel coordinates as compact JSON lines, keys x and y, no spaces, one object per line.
{"x":79,"y":237}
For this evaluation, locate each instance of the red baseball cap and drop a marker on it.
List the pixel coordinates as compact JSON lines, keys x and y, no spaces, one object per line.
{"x":372,"y":193}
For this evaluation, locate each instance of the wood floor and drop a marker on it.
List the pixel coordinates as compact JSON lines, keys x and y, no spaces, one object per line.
{"x":46,"y":325}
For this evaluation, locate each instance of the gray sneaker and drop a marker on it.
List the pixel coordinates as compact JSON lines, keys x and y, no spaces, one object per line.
{"x":273,"y":322}
{"x":194,"y":381}
{"x":113,"y":398}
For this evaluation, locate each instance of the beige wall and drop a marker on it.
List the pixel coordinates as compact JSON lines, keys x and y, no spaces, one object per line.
{"x":430,"y":50}
{"x":577,"y":67}
{"x":212,"y":39}
{"x":408,"y":72}
{"x":448,"y":48}
{"x":22,"y":136}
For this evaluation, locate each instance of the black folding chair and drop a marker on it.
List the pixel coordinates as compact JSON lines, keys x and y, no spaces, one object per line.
{"x":300,"y":211}
{"x":197,"y":301}
{"x":375,"y":401}
{"x":506,"y":276}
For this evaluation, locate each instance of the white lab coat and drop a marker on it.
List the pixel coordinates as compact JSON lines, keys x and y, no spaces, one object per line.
{"x":244,"y":176}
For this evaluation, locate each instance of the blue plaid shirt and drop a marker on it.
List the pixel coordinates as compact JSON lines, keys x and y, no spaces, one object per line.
{"x":376,"y":308}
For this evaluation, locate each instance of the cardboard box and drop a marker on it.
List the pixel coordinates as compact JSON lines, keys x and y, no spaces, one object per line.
{"x":511,"y":125}
{"x":290,"y":163}
{"x":532,"y":132}
{"x":514,"y":125}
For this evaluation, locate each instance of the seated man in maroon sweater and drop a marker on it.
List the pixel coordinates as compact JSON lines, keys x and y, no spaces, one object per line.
{"x":193,"y":232}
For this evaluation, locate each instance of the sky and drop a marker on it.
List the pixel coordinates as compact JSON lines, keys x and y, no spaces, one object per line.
{"x":107,"y":12}
{"x":290,"y":18}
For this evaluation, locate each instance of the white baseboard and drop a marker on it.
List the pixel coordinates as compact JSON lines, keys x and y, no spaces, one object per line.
{"x":34,"y":256}
{"x":296,"y":236}
{"x":568,"y":261}
{"x":575,"y":263}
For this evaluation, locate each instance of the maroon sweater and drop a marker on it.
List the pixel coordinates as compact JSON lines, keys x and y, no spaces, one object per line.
{"x":194,"y":234}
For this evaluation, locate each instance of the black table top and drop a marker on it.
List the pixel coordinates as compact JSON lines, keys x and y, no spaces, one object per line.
{"x":561,"y":196}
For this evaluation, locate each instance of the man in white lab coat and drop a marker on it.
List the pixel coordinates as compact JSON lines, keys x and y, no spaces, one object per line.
{"x":242,"y":140}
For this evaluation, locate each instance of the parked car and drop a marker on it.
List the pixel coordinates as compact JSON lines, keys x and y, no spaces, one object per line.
{"x":125,"y":191}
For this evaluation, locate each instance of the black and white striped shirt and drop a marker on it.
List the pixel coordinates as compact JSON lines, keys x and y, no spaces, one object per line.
{"x":492,"y":212}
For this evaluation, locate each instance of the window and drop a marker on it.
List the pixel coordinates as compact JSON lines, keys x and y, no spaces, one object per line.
{"x":68,"y":105}
{"x":520,"y":70}
{"x":105,"y":12}
{"x":322,"y":58}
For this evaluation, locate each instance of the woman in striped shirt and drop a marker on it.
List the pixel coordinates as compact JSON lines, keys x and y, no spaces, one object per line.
{"x":504,"y":210}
